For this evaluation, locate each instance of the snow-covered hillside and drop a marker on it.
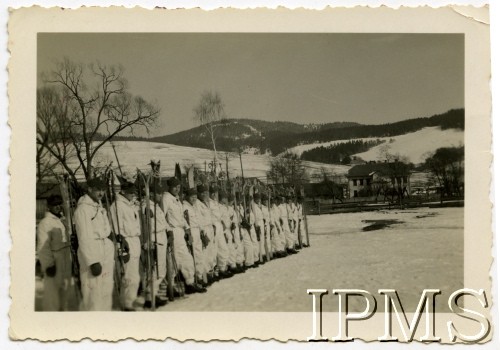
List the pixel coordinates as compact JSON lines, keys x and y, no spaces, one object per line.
{"x":414,"y":145}
{"x":137,"y":154}
{"x":417,"y":145}
{"x":298,"y":150}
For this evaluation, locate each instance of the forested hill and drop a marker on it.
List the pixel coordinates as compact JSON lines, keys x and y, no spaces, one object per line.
{"x":275,"y":137}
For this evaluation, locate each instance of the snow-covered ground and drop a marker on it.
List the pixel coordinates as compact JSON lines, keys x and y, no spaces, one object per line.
{"x":137,"y":154}
{"x":423,"y":250}
{"x":414,"y":145}
{"x":417,"y":145}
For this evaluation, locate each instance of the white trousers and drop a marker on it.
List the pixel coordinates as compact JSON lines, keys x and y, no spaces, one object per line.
{"x":222,"y":249}
{"x":255,"y":242}
{"x":161,"y":254}
{"x":131,"y":278}
{"x":303,"y":234}
{"x":231,"y":246}
{"x":59,"y":291}
{"x":268,"y":239}
{"x":290,"y":239}
{"x":97,"y":291}
{"x":238,"y":246}
{"x":199,"y":257}
{"x":262,"y":242}
{"x":183,"y":258}
{"x":209,"y":253}
{"x":57,"y":297}
{"x":248,"y":247}
{"x":278,"y":242}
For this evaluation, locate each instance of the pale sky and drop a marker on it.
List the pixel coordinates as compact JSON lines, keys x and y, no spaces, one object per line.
{"x":303,"y":78}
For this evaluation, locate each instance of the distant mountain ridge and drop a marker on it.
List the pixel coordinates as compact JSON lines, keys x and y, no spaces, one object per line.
{"x":259,"y":136}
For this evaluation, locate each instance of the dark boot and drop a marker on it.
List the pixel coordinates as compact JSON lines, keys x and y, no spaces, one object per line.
{"x":226,"y":274}
{"x":195,"y":288}
{"x":158,"y":303}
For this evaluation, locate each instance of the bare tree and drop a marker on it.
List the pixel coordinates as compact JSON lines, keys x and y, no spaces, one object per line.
{"x":96,"y":106}
{"x":54,"y":144}
{"x":447,"y":167}
{"x":288,"y":168}
{"x":209,"y":112}
{"x":394,"y":180}
{"x":331,"y":186}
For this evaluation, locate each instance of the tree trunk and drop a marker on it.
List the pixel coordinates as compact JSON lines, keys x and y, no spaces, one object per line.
{"x":90,"y":169}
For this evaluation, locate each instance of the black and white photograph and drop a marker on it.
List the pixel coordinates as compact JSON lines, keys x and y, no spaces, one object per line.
{"x":232,"y":171}
{"x":267,"y":174}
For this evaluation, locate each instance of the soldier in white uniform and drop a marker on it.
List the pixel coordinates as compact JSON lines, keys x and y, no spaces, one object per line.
{"x":55,"y":257}
{"x":228,"y":232}
{"x":283,"y":218}
{"x":158,"y":240}
{"x":178,"y":227}
{"x":253,"y":233}
{"x":126,"y":222}
{"x":259,"y":225}
{"x":95,"y":250}
{"x":220,"y":238}
{"x":290,"y":207}
{"x":195,"y":223}
{"x":293,"y":216}
{"x":302,"y":224}
{"x":267,"y":227}
{"x":207,"y":231}
{"x":279,"y":240}
{"x":237,"y":236}
{"x":244,"y":224}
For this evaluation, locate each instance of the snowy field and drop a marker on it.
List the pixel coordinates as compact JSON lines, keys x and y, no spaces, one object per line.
{"x":137,"y":154}
{"x":424,"y":249}
{"x":409,"y":145}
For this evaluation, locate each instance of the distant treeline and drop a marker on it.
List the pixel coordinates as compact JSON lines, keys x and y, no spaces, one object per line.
{"x":244,"y":133}
{"x":338,"y":153}
{"x":276,"y":137}
{"x":454,"y":118}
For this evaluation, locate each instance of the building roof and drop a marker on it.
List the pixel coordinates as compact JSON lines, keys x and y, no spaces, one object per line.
{"x":368,"y":169}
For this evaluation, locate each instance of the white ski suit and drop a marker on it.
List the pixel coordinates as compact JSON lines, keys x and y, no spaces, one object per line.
{"x":259,"y":225}
{"x":195,"y":224}
{"x":238,"y":240}
{"x":54,"y":250}
{"x":126,"y":222}
{"x":248,"y":246}
{"x":160,"y":238}
{"x":174,"y":212}
{"x":279,"y":240}
{"x":284,"y":215}
{"x":220,"y":237}
{"x":230,"y":242}
{"x":267,"y":218}
{"x":205,"y":216}
{"x":92,"y":229}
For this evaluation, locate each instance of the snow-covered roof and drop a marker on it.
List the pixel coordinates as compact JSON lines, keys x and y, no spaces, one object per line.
{"x":368,"y":169}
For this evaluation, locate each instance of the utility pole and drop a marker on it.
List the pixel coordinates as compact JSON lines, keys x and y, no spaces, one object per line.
{"x":227,"y":169}
{"x":117,"y":160}
{"x":241,"y":164}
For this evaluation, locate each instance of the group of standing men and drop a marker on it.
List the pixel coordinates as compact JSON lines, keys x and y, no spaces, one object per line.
{"x":211,"y":233}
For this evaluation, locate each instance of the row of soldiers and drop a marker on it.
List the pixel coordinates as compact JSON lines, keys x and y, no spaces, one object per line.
{"x":211,"y":234}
